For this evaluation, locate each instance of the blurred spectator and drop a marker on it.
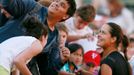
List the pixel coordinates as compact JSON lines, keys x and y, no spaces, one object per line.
{"x":63,"y":33}
{"x":92,"y":56}
{"x":121,"y":15}
{"x":130,"y":51}
{"x":89,"y":67}
{"x":131,"y":61}
{"x":79,"y":3}
{"x":75,"y":60}
{"x":92,"y":59}
{"x":100,"y":6}
{"x":79,"y":31}
{"x":98,"y":22}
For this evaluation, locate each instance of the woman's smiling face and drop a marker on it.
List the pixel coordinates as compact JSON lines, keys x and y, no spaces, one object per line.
{"x":104,"y":36}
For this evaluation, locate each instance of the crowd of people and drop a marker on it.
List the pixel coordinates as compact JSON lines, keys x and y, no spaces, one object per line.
{"x":53,"y":37}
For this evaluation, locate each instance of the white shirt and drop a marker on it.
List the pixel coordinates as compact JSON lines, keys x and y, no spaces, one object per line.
{"x":85,"y":43}
{"x":125,"y":20}
{"x":10,"y":48}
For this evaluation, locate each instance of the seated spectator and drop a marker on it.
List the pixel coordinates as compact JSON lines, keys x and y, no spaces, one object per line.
{"x":121,"y":15}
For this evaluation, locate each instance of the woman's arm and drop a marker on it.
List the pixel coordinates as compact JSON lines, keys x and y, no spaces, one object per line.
{"x":16,"y":72}
{"x":21,"y":60}
{"x":106,"y":70}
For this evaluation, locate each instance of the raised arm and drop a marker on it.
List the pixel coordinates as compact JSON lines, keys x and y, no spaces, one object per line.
{"x":17,"y":8}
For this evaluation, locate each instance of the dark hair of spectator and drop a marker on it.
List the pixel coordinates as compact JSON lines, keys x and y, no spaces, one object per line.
{"x":74,"y":47}
{"x":34,"y":27}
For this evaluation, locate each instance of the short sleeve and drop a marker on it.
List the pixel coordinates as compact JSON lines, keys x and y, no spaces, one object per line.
{"x":109,"y":61}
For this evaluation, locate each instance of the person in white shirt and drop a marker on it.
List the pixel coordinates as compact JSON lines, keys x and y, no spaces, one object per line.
{"x":15,"y":52}
{"x":79,"y":31}
{"x":121,"y":15}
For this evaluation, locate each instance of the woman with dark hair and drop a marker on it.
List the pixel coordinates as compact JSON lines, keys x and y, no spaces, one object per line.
{"x":15,"y":52}
{"x":113,"y":62}
{"x":49,"y":62}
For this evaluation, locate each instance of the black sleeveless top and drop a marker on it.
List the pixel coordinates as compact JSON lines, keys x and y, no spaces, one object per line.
{"x":117,"y":63}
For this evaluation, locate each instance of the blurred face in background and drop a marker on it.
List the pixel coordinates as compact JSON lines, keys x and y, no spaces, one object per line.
{"x":63,"y":38}
{"x":130,"y":50}
{"x":79,"y":22}
{"x":115,"y":7}
{"x":77,"y":57}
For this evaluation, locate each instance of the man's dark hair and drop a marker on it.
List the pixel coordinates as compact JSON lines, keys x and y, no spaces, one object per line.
{"x":72,"y":8}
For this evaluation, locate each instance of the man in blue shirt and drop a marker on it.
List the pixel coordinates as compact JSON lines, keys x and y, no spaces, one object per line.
{"x":49,"y":61}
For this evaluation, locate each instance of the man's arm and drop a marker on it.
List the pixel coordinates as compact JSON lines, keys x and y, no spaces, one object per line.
{"x":17,"y":8}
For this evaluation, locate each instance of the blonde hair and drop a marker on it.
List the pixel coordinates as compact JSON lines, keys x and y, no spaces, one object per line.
{"x":61,"y":27}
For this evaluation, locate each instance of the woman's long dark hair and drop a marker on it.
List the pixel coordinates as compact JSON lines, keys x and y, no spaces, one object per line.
{"x":34,"y":27}
{"x":117,"y":32}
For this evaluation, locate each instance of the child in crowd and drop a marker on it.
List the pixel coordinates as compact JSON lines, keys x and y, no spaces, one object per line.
{"x":75,"y":60}
{"x":15,"y":52}
{"x":130,"y":53}
{"x":76,"y":57}
{"x":92,"y":60}
{"x":63,"y":32}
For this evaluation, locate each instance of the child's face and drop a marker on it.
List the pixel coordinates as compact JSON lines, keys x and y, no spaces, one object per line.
{"x":130,"y":50}
{"x":80,"y":23}
{"x":63,"y":38}
{"x":77,"y":57}
{"x":90,"y":69}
